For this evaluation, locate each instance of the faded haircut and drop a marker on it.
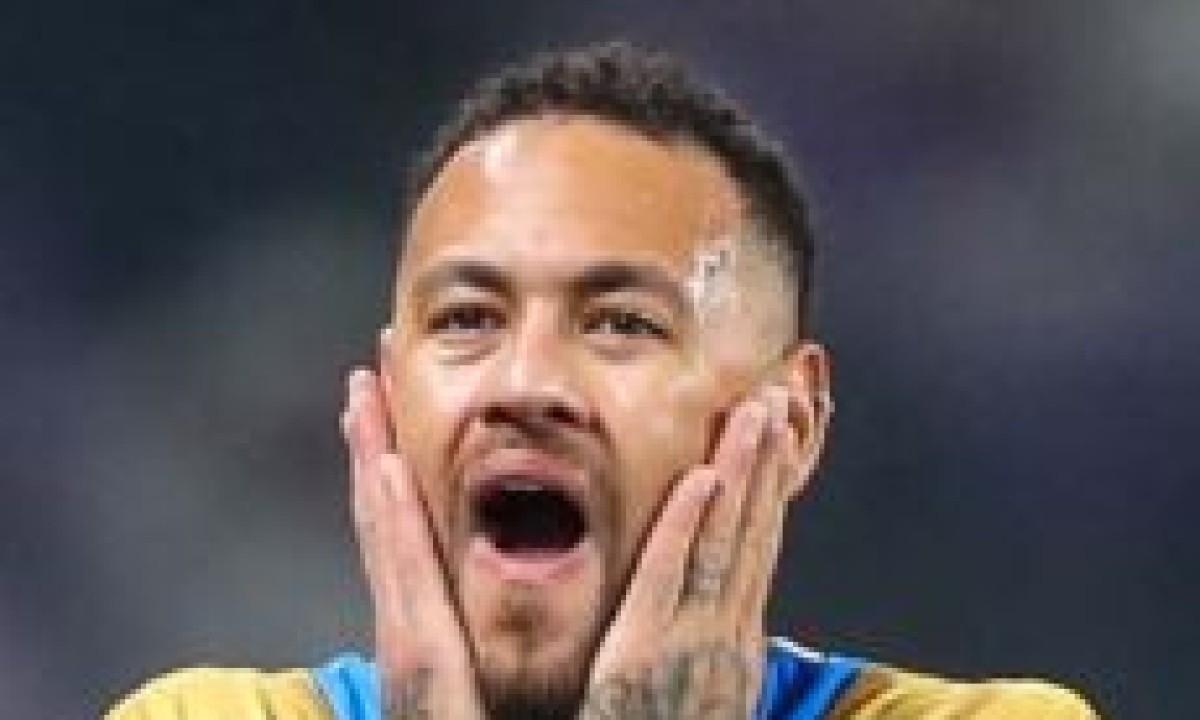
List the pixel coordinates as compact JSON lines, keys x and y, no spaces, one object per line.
{"x":654,"y":94}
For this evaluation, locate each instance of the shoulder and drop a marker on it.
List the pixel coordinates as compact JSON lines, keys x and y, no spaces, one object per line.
{"x":884,"y":693}
{"x":212,"y":693}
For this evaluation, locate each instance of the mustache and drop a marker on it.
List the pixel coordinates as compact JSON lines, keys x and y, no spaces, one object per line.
{"x":565,"y":443}
{"x":583,"y":446}
{"x":545,"y":437}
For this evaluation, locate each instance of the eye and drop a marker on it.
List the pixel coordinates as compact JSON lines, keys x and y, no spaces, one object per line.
{"x":624,"y":322}
{"x":465,"y":319}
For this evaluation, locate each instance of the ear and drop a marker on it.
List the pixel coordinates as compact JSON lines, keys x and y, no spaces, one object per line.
{"x":807,"y":378}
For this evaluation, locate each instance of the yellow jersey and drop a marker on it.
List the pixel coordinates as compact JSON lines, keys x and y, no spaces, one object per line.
{"x":798,"y":684}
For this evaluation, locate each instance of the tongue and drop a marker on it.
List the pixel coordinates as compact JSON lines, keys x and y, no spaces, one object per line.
{"x":537,"y":522}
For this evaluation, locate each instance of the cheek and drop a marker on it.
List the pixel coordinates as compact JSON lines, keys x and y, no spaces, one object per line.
{"x":429,"y":398}
{"x":661,"y":419}
{"x":426,"y":406}
{"x":661,"y":409}
{"x":679,"y":420}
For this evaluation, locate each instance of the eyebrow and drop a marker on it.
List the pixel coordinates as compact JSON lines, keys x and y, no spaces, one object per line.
{"x":618,"y":276}
{"x":471,"y":273}
{"x":599,"y":278}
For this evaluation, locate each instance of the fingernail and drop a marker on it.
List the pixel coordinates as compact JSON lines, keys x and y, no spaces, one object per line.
{"x":357,"y":384}
{"x":390,"y":465}
{"x":757,"y":415}
{"x":757,"y":412}
{"x":778,"y":399}
{"x":703,"y":484}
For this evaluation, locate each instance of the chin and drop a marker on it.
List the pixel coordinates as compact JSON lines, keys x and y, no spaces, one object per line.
{"x":536,"y":691}
{"x":534,"y":658}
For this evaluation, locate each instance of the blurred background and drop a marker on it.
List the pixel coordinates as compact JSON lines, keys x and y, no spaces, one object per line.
{"x":197,"y":204}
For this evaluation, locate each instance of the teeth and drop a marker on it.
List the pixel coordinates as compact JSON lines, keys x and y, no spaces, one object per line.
{"x":525,"y":484}
{"x":526,"y":487}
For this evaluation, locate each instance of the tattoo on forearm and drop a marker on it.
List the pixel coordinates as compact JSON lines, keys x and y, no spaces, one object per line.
{"x":710,"y":682}
{"x":408,"y":699}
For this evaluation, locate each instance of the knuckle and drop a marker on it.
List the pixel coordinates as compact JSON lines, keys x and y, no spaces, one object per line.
{"x":402,"y":660}
{"x":364,"y":519}
{"x":714,"y":550}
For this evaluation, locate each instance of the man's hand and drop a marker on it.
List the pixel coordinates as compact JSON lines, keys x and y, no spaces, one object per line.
{"x":687,"y":643}
{"x":423,"y":657}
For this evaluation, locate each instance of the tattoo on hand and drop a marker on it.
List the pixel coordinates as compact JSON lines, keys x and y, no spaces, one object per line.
{"x":619,"y":699}
{"x":409,"y":698}
{"x":706,"y":683}
{"x":708,"y":571}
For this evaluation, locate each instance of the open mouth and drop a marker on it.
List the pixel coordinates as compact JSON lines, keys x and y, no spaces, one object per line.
{"x":523,"y":517}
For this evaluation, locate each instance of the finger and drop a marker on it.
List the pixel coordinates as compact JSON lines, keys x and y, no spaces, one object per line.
{"x":372,"y":509}
{"x":366,"y":427}
{"x":365,"y":448}
{"x":402,"y":567}
{"x":365,"y":491}
{"x":412,"y":598}
{"x":376,"y":535}
{"x":371,"y":414}
{"x":424,"y":661}
{"x":654,"y":591}
{"x":425,"y":664}
{"x":761,"y":537}
{"x":715,"y":546}
{"x":415,"y":623}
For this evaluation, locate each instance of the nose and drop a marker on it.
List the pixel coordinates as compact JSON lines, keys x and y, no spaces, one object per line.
{"x":533,"y":384}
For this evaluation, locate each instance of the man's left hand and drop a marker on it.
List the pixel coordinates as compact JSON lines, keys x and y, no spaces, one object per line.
{"x":687,"y":642}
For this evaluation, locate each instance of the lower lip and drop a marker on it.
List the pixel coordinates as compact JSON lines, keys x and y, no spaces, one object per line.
{"x":538,"y":568}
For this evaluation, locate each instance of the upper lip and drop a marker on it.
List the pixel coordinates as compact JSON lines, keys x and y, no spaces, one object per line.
{"x":504,"y":465}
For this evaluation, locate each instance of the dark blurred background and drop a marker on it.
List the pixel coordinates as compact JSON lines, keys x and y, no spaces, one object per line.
{"x":197,"y":203}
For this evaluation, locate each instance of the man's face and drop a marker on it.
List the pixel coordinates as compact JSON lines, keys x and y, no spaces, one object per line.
{"x":576,"y":310}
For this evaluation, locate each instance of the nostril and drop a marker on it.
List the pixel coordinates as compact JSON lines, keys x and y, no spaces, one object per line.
{"x":534,"y":412}
{"x":562,"y":414}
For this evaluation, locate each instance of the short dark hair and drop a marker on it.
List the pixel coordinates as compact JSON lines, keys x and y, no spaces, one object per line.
{"x":654,"y":94}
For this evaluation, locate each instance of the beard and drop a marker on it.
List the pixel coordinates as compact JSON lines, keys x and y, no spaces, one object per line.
{"x":558,"y":699}
{"x":536,"y":693}
{"x":529,"y":691}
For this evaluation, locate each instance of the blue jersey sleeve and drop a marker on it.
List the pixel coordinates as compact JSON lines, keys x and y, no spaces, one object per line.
{"x":798,"y":684}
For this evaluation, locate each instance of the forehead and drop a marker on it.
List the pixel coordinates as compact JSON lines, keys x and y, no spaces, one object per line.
{"x":560,"y":190}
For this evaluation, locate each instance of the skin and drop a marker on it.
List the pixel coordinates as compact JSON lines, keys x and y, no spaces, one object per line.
{"x":693,"y":427}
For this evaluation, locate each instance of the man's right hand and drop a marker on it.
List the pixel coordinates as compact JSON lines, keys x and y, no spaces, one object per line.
{"x":424,"y":662}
